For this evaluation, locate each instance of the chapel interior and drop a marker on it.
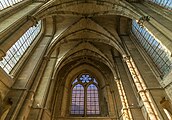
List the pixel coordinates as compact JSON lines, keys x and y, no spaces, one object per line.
{"x":85,"y":59}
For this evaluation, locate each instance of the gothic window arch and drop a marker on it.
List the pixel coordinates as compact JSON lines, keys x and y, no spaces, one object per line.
{"x":85,"y":96}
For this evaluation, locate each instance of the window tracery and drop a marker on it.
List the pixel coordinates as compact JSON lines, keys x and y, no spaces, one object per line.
{"x":85,"y":96}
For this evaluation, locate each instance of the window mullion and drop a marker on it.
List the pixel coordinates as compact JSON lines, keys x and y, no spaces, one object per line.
{"x":85,"y":101}
{"x":88,"y":102}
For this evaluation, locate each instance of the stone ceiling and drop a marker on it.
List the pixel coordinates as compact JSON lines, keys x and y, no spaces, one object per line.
{"x":87,"y":32}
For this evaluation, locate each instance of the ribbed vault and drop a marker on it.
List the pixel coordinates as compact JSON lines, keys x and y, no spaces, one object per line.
{"x":81,"y":37}
{"x":86,"y":40}
{"x":87,"y":8}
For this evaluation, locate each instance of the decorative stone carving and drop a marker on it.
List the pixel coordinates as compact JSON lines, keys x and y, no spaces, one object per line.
{"x":33,"y":19}
{"x":143,"y":19}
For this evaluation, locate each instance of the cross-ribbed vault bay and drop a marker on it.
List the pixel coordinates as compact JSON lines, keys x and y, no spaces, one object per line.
{"x":85,"y":59}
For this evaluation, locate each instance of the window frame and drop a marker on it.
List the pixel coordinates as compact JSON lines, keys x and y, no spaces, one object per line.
{"x":21,"y":46}
{"x":162,"y":3}
{"x":85,"y":86}
{"x":5,"y":4}
{"x":156,"y":51}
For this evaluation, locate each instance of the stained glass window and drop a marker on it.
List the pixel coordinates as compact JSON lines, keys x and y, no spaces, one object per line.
{"x":92,"y":100}
{"x":159,"y":54}
{"x":85,"y":78}
{"x":19,"y":48}
{"x":77,"y":106}
{"x":85,"y":96}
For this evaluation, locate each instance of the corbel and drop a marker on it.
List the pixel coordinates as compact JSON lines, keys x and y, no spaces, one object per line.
{"x":33,"y":19}
{"x":142,"y":20}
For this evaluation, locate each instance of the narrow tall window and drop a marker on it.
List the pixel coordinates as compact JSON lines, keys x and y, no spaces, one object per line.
{"x":19,"y":48}
{"x":159,"y":54}
{"x":92,"y":100}
{"x":77,"y":106}
{"x":8,"y":3}
{"x":85,"y":96}
{"x":164,"y":3}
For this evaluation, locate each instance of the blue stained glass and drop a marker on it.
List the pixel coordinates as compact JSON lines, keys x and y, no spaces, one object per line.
{"x":77,"y":106}
{"x":92,"y":100}
{"x":75,"y":81}
{"x":85,"y":98}
{"x":85,"y":78}
{"x":95,"y":81}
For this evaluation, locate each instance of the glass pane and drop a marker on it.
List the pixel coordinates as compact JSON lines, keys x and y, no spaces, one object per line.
{"x":75,"y":81}
{"x":85,"y":78}
{"x":155,"y":50}
{"x":164,"y":3}
{"x":85,"y":99}
{"x":7,"y":3}
{"x":92,"y":100}
{"x":19,"y":48}
{"x":95,"y":81}
{"x":77,"y":106}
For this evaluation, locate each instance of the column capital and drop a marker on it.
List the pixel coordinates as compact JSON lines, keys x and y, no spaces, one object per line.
{"x":116,"y":78}
{"x":126,"y":57}
{"x":33,"y":19}
{"x":142,"y":20}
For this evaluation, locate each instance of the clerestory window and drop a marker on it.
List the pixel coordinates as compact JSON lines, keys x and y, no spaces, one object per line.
{"x":85,"y":96}
{"x":159,"y":54}
{"x":8,"y":3}
{"x":164,"y":3}
{"x":14,"y":54}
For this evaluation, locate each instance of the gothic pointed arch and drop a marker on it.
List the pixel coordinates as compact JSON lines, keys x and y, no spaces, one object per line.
{"x":84,"y":96}
{"x":82,"y":82}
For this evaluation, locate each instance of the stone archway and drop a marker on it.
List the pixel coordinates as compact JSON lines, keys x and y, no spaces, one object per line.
{"x":107,"y":110}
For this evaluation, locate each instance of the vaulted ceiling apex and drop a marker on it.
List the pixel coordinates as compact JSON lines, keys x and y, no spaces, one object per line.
{"x":84,"y":25}
{"x":87,"y":46}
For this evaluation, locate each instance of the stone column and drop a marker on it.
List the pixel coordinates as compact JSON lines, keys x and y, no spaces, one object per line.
{"x":126,"y":113}
{"x":110,"y":102}
{"x":141,"y":88}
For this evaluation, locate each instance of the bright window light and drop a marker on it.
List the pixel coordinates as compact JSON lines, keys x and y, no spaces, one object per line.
{"x":164,"y":3}
{"x":8,"y":3}
{"x":168,"y":114}
{"x":85,"y":96}
{"x":19,"y":48}
{"x":159,"y":53}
